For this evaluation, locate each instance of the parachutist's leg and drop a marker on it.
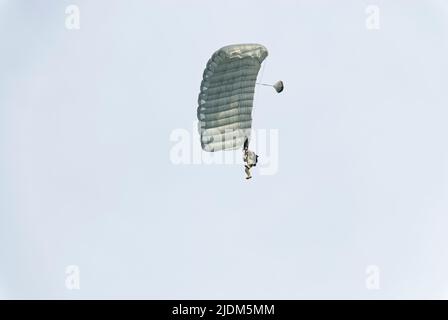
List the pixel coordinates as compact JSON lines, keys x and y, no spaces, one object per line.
{"x":247,"y":170}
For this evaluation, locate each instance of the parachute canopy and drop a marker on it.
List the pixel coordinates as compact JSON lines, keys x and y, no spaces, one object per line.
{"x":227,"y":94}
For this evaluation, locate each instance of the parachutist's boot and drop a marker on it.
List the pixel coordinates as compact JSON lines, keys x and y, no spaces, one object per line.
{"x":247,"y":170}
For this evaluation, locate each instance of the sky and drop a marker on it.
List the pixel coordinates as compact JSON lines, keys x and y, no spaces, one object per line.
{"x":87,"y":177}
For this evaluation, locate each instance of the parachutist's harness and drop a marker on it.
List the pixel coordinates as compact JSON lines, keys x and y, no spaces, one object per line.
{"x":251,"y":159}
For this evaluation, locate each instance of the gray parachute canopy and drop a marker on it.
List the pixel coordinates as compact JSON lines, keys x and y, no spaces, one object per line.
{"x":227,"y":94}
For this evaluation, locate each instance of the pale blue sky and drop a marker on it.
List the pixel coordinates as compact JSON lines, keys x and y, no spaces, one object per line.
{"x":86,"y":178}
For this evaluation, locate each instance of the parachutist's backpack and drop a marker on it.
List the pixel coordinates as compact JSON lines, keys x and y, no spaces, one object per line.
{"x":251,"y":159}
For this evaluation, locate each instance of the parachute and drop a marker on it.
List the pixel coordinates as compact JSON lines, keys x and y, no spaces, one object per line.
{"x":226,"y":96}
{"x":278,"y":86}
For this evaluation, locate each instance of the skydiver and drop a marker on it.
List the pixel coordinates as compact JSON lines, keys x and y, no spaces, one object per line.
{"x":250,"y":159}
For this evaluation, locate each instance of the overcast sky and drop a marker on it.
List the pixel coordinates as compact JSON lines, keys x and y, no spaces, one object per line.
{"x":86,"y":177}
